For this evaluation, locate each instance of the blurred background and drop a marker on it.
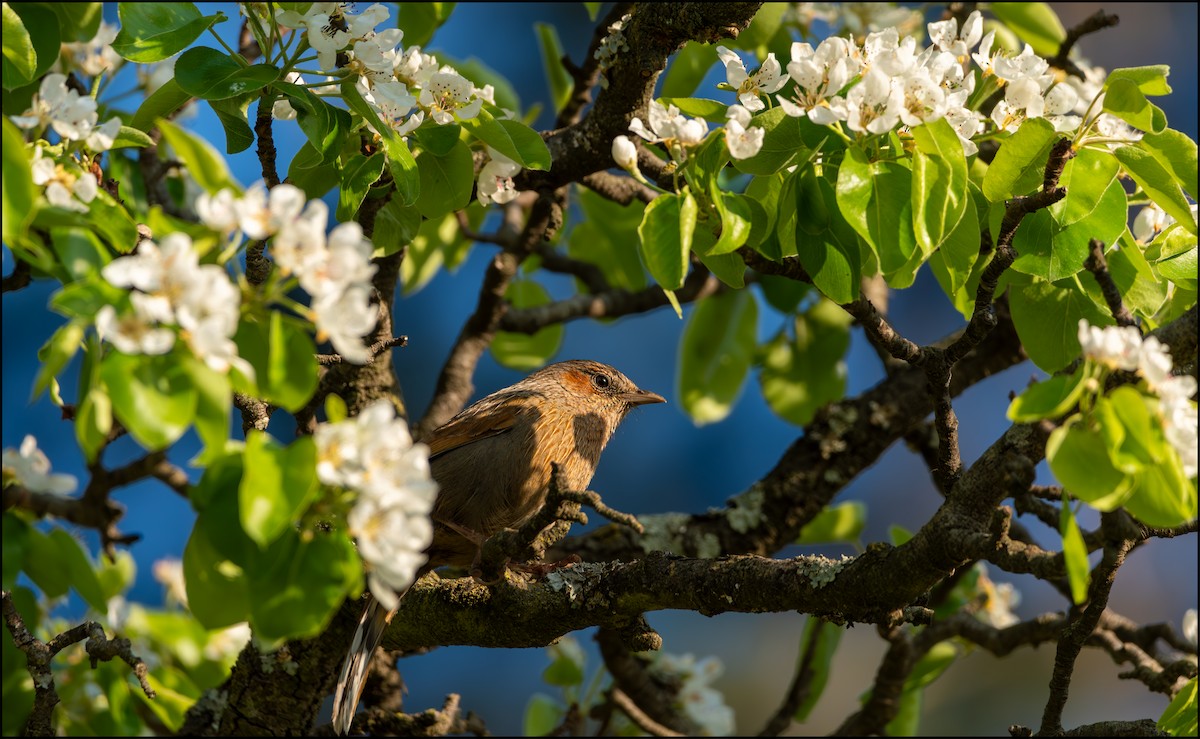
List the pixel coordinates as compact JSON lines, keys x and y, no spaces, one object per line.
{"x":660,"y":461}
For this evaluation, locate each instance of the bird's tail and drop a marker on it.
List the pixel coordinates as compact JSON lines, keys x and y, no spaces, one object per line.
{"x":354,"y":670}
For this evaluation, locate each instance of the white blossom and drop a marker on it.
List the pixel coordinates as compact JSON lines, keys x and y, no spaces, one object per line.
{"x":945,"y":36}
{"x":1117,"y":347}
{"x":96,"y":56}
{"x":668,"y":125}
{"x":743,"y":141}
{"x":343,"y":318}
{"x":30,"y":468}
{"x":769,"y":78}
{"x":219,"y":212}
{"x":1189,"y":625}
{"x":495,"y":179}
{"x":447,"y":95}
{"x":1150,"y":221}
{"x":819,"y":75}
{"x":873,"y":105}
{"x":374,"y":455}
{"x":262,"y":214}
{"x":701,"y":703}
{"x":64,"y":188}
{"x":624,"y":153}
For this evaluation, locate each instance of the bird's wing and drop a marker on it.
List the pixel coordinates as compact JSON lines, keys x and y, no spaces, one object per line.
{"x":492,"y":416}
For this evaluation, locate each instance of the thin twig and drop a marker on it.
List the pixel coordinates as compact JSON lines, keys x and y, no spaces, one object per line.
{"x":1098,"y":266}
{"x":373,"y":351}
{"x":638,"y":716}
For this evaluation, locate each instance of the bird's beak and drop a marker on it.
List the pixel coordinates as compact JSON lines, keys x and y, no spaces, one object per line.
{"x":642,"y":397}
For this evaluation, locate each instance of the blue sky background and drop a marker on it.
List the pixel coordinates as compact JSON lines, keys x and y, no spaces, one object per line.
{"x":660,"y":461}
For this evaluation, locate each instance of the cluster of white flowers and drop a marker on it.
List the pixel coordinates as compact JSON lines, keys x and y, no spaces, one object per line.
{"x":392,"y":79}
{"x":1122,"y":347}
{"x":173,"y":288}
{"x":335,"y":270}
{"x":30,"y":468}
{"x":71,"y":115}
{"x":1153,"y":220}
{"x":669,"y":126}
{"x":403,"y":86}
{"x":97,"y":56}
{"x":612,"y":44}
{"x":374,"y":455}
{"x":65,"y":188}
{"x":700,"y":702}
{"x":495,"y":179}
{"x":1000,"y":598}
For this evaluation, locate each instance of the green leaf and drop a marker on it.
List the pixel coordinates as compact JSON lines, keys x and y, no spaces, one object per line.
{"x":836,"y":524}
{"x":206,"y":166}
{"x":213,"y":75}
{"x":563,"y":672}
{"x":325,"y":126}
{"x":438,"y":139}
{"x":401,"y":163}
{"x":1086,"y":178}
{"x":782,"y":293}
{"x":1075,"y":554}
{"x":939,"y":189}
{"x":419,"y":21}
{"x":954,"y":261}
{"x":1019,"y":161}
{"x":438,"y":242}
{"x":1158,"y":183}
{"x":1176,"y":152}
{"x":216,"y":551}
{"x":800,"y":376}
{"x":300,"y":581}
{"x":20,"y":60}
{"x":160,"y":104}
{"x":152,"y":396}
{"x":1051,"y":252}
{"x":928,"y":668}
{"x":56,"y":353}
{"x":446,"y":181}
{"x":666,"y":237}
{"x":1047,"y":316}
{"x":513,"y":139}
{"x":819,"y":643}
{"x":736,"y":216}
{"x":232,"y":114}
{"x":395,"y":227}
{"x":762,"y":28}
{"x":1180,"y":717}
{"x":1079,"y":456}
{"x":728,"y":268}
{"x":687,"y":70}
{"x":311,"y":174}
{"x":825,"y":244}
{"x":1179,"y":268}
{"x":712,"y":111}
{"x":78,"y":21}
{"x":284,"y":359}
{"x":151,"y":32}
{"x":1141,"y":290}
{"x":527,"y":352}
{"x":357,"y":175}
{"x":716,"y":353}
{"x":1047,"y":399}
{"x":783,"y":143}
{"x":1150,"y":80}
{"x":1035,"y":23}
{"x":56,"y":561}
{"x":1124,"y":100}
{"x":543,"y":713}
{"x":278,"y":484}
{"x":557,"y":77}
{"x":41,"y":25}
{"x":607,"y":238}
{"x":19,"y":194}
{"x":213,"y":391}
{"x":132,"y":138}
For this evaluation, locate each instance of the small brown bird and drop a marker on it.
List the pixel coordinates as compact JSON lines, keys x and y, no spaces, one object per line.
{"x":492,"y":466}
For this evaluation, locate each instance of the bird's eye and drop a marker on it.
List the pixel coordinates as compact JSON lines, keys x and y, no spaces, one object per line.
{"x":601,"y":381}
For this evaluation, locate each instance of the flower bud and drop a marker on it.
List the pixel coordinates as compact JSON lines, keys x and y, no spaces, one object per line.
{"x":625,"y":153}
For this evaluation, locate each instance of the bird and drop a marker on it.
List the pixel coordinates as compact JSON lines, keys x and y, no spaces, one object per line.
{"x":492,"y":464}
